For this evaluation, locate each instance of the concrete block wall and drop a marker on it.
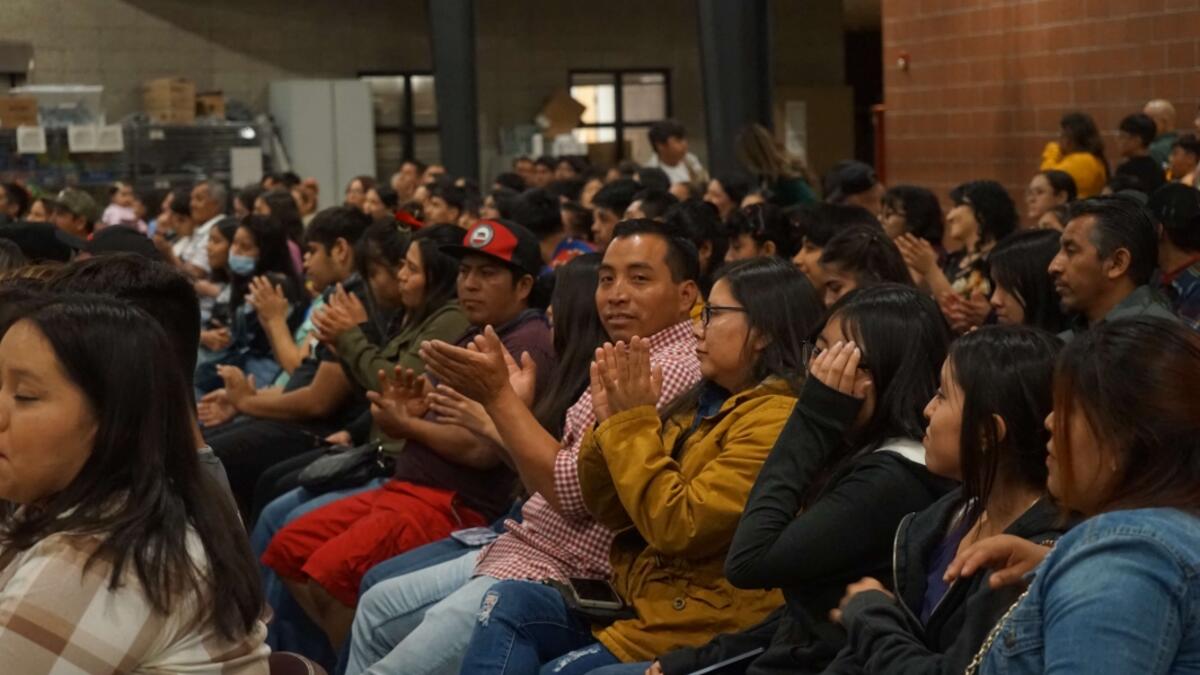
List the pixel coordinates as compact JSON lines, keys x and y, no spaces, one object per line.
{"x":989,"y":79}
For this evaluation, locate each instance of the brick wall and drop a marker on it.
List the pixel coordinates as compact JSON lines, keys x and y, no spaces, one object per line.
{"x":989,"y":79}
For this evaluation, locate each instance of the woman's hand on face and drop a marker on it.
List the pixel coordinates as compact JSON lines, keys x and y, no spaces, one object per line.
{"x":837,"y":368}
{"x":1010,"y":558}
{"x":861,"y":586}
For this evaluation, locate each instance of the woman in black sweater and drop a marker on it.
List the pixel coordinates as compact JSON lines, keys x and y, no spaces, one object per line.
{"x":985,"y":430}
{"x":847,"y":467}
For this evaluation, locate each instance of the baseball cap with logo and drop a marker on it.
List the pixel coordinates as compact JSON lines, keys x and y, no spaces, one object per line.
{"x":505,"y":241}
{"x":77,"y":202}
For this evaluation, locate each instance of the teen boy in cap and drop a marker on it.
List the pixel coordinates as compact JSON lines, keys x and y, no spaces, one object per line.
{"x":74,"y":212}
{"x":447,"y":478}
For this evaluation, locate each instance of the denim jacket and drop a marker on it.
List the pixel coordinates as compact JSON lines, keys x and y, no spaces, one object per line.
{"x":1119,"y":594}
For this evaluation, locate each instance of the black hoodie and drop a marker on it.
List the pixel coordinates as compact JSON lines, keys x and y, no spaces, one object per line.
{"x":842,"y":536}
{"x":885,"y":636}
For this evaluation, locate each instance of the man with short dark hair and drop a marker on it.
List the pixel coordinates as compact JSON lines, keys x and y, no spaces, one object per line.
{"x":406,"y":180}
{"x":668,"y":139}
{"x":523,"y":167}
{"x":1134,"y":136}
{"x":647,"y":288}
{"x":1184,"y":158}
{"x":854,"y":183}
{"x":541,"y":213}
{"x":1107,"y":255}
{"x":445,"y":204}
{"x":609,"y":206}
{"x":1177,"y":210}
{"x":651,"y":203}
{"x":543,"y":172}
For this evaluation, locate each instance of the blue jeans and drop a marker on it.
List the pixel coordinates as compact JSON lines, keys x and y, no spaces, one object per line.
{"x":525,"y":628}
{"x":418,"y":624}
{"x":290,"y":629}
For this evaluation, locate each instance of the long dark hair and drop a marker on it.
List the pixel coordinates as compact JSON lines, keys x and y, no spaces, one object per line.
{"x":141,"y":488}
{"x":1134,"y":381}
{"x":922,"y":211}
{"x":903,"y":338}
{"x":441,"y":270}
{"x":1005,"y":372}
{"x":781,"y":305}
{"x":577,"y":334}
{"x":1018,"y":265}
{"x":227,"y":228}
{"x":274,"y":258}
{"x":383,"y":244}
{"x":283,"y":209}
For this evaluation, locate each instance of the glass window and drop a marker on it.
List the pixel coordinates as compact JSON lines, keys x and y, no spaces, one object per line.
{"x":406,"y":119}
{"x":621,"y":104}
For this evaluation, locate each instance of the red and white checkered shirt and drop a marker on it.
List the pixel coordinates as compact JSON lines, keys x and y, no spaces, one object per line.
{"x":549,"y":544}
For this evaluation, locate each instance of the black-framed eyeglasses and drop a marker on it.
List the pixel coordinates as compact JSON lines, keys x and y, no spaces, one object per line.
{"x":707,"y":312}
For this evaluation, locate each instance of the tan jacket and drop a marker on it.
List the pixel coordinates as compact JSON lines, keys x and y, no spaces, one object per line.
{"x":677,"y":512}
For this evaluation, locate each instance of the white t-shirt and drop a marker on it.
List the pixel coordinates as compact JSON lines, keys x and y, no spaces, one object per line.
{"x":688,"y":171}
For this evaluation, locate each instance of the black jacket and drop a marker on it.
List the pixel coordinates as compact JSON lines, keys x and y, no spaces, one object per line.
{"x":842,"y":536}
{"x":886,"y":636}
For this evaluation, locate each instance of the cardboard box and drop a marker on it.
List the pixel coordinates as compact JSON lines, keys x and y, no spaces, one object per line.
{"x":18,"y":111}
{"x":210,"y":104}
{"x":560,"y":114}
{"x":170,"y":100}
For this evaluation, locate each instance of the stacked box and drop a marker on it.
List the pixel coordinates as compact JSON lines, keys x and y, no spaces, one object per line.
{"x":170,"y":100}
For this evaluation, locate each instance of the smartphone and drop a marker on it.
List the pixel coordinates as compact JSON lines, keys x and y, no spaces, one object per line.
{"x":718,"y":667}
{"x":475,"y":536}
{"x":596,"y":594}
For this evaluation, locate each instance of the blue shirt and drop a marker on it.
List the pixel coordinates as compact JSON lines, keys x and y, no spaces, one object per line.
{"x":1119,"y":594}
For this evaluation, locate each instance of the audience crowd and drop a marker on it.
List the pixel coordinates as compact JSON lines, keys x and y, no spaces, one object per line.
{"x":622,"y":420}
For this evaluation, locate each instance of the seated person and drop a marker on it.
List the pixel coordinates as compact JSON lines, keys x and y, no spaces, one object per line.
{"x":759,"y":230}
{"x":1023,"y":290}
{"x":1122,"y":453}
{"x":647,"y":287}
{"x":279,"y":423}
{"x":446,"y":478}
{"x":857,"y":257}
{"x":214,"y":291}
{"x":259,"y":248}
{"x":986,"y":431}
{"x":813,"y":225}
{"x":680,"y":480}
{"x":848,"y":460}
{"x":106,"y":568}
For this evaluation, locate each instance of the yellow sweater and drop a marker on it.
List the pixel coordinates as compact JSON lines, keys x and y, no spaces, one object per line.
{"x":1087,"y":170}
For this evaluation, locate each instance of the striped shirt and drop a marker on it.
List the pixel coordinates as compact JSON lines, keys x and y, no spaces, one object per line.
{"x":550,"y":544}
{"x":56,"y":616}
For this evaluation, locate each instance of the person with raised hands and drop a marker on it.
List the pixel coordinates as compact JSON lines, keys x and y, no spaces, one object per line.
{"x":679,"y":479}
{"x":1118,"y":593}
{"x":984,"y":430}
{"x":845,"y":470}
{"x":646,"y":287}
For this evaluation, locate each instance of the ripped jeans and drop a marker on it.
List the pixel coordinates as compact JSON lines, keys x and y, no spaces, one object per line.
{"x":525,"y":628}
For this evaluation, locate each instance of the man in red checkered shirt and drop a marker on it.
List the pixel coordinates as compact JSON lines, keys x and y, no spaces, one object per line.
{"x":421,"y":622}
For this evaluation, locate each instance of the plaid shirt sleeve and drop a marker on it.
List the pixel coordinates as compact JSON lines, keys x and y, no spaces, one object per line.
{"x":679,"y":375}
{"x":58,"y":615}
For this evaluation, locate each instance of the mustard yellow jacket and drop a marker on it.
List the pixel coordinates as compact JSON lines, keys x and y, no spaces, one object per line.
{"x":676,"y":511}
